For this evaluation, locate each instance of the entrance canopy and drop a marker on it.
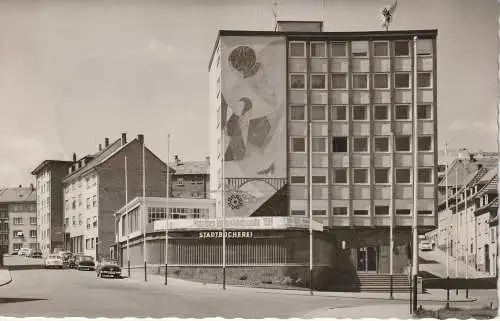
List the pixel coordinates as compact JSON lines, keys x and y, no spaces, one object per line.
{"x":243,"y":223}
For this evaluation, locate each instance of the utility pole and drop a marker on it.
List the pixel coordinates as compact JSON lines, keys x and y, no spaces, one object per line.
{"x":415,"y":178}
{"x":311,"y":256}
{"x":167,"y":210}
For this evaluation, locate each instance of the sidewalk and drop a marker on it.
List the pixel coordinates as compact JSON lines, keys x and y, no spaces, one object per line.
{"x":5,"y":277}
{"x":432,"y":295}
{"x":439,"y":269}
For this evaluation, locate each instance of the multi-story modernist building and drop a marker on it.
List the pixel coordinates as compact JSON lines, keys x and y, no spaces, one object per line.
{"x":190,"y":179}
{"x":50,"y":203}
{"x":18,"y":224}
{"x":95,"y":188}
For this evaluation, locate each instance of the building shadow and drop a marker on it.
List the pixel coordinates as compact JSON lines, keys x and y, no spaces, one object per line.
{"x":17,"y":300}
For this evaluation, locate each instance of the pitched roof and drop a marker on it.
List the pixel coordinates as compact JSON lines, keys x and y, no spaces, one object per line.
{"x":99,"y":157}
{"x":48,"y":162}
{"x":191,"y":168}
{"x":459,"y":170}
{"x":18,"y":194}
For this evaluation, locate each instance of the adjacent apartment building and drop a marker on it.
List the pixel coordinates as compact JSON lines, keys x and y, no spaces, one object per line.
{"x":18,"y":219}
{"x":94,"y":188}
{"x":354,"y":166}
{"x":191,"y":179}
{"x":50,"y":203}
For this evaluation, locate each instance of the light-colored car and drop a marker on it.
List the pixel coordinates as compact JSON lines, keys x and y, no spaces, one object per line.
{"x":425,"y":245}
{"x":54,"y":261}
{"x":23,"y":251}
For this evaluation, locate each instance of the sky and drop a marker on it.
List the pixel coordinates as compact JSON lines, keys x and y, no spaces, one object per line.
{"x":74,"y":72}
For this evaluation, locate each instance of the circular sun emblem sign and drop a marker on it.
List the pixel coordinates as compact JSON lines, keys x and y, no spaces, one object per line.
{"x":244,"y":60}
{"x":235,"y":202}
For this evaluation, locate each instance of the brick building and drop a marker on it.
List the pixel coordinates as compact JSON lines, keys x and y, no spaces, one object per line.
{"x":95,"y":188}
{"x":18,"y":219}
{"x":50,"y":203}
{"x":191,"y":179}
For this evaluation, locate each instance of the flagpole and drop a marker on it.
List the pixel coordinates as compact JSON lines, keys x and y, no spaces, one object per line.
{"x":447,"y":205}
{"x":144,"y":209}
{"x":391,"y":227}
{"x":456,"y":220}
{"x":167,"y":210}
{"x":126,"y":217}
{"x":415,"y":177}
{"x":310,"y":211}
{"x":466,"y":242}
{"x":223,"y":204}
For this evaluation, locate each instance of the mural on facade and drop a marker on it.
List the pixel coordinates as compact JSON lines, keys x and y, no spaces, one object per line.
{"x":253,"y":121}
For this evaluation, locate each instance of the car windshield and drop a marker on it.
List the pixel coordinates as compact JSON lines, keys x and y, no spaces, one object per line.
{"x":54,"y":257}
{"x":87,"y":258}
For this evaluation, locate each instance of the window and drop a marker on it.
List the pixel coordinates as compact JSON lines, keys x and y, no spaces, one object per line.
{"x":381,"y":175}
{"x":361,"y":212}
{"x":425,"y":175}
{"x":380,"y":49}
{"x":67,"y":204}
{"x":94,"y":200}
{"x":95,"y":180}
{"x":402,"y":80}
{"x":424,"y":80}
{"x":74,"y":220}
{"x":403,"y":175}
{"x":424,"y":212}
{"x":402,"y":48}
{"x":88,"y":223}
{"x":33,"y":233}
{"x":425,"y":143}
{"x":402,"y":144}
{"x":87,"y":244}
{"x":360,"y":144}
{"x":318,"y":112}
{"x":17,"y":233}
{"x":318,"y":81}
{"x":180,"y":181}
{"x":17,"y":246}
{"x":339,"y":49}
{"x":319,"y":212}
{"x":339,"y":144}
{"x":402,"y":112}
{"x":88,"y":202}
{"x":360,"y":175}
{"x":424,"y":111}
{"x":87,"y":180}
{"x":298,"y":179}
{"x":339,"y":112}
{"x":80,"y":200}
{"x":298,"y":212}
{"x":318,"y":179}
{"x":340,"y":175}
{"x":318,"y":49}
{"x":297,"y":49}
{"x":381,"y":210}
{"x":403,"y":211}
{"x":340,"y":210}
{"x":359,"y":48}
{"x":359,"y":81}
{"x":339,"y":81}
{"x":32,"y":220}
{"x":18,"y":221}
{"x":297,"y":112}
{"x":297,"y":81}
{"x":359,"y":112}
{"x":94,"y":221}
{"x":424,"y":47}
{"x":381,"y":144}
{"x":381,"y":81}
{"x":319,"y":144}
{"x":381,"y":112}
{"x":298,"y":144}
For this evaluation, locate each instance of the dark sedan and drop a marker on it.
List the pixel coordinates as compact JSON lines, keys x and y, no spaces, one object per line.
{"x":109,"y":270}
{"x":85,"y":262}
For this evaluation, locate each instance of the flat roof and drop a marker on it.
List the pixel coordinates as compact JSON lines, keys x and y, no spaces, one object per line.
{"x":341,"y":35}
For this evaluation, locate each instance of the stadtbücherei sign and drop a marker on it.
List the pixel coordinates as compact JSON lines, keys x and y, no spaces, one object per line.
{"x":232,"y":234}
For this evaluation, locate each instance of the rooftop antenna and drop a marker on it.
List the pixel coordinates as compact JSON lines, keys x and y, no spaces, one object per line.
{"x":386,"y":14}
{"x":275,"y":15}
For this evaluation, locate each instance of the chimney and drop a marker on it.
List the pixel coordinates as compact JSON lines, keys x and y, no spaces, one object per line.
{"x":32,"y":187}
{"x":124,"y":138}
{"x":176,"y":160}
{"x":100,"y":147}
{"x":74,"y":157}
{"x":208,"y":160}
{"x":70,"y":169}
{"x":140,"y":138}
{"x":106,"y":142}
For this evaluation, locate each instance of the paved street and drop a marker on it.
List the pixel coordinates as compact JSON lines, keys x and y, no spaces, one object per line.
{"x":59,"y":293}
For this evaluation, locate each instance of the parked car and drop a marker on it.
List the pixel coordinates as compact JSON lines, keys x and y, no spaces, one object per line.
{"x":67,"y":256}
{"x":15,"y":252}
{"x":53,"y":261}
{"x":85,"y":262}
{"x":425,"y":245}
{"x":72,"y":261}
{"x":109,"y":269}
{"x":37,"y":254}
{"x":23,"y":251}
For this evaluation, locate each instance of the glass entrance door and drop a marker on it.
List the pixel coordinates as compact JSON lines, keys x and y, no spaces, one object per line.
{"x":367,"y":259}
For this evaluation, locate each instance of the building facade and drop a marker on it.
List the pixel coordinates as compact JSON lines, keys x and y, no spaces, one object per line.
{"x":94,"y":189}
{"x":50,"y":203}
{"x":191,"y":179}
{"x":18,"y":219}
{"x":354,"y":166}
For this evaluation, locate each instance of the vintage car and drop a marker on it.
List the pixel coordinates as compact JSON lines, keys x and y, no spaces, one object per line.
{"x":109,"y":269}
{"x":85,"y":262}
{"x":53,"y":261}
